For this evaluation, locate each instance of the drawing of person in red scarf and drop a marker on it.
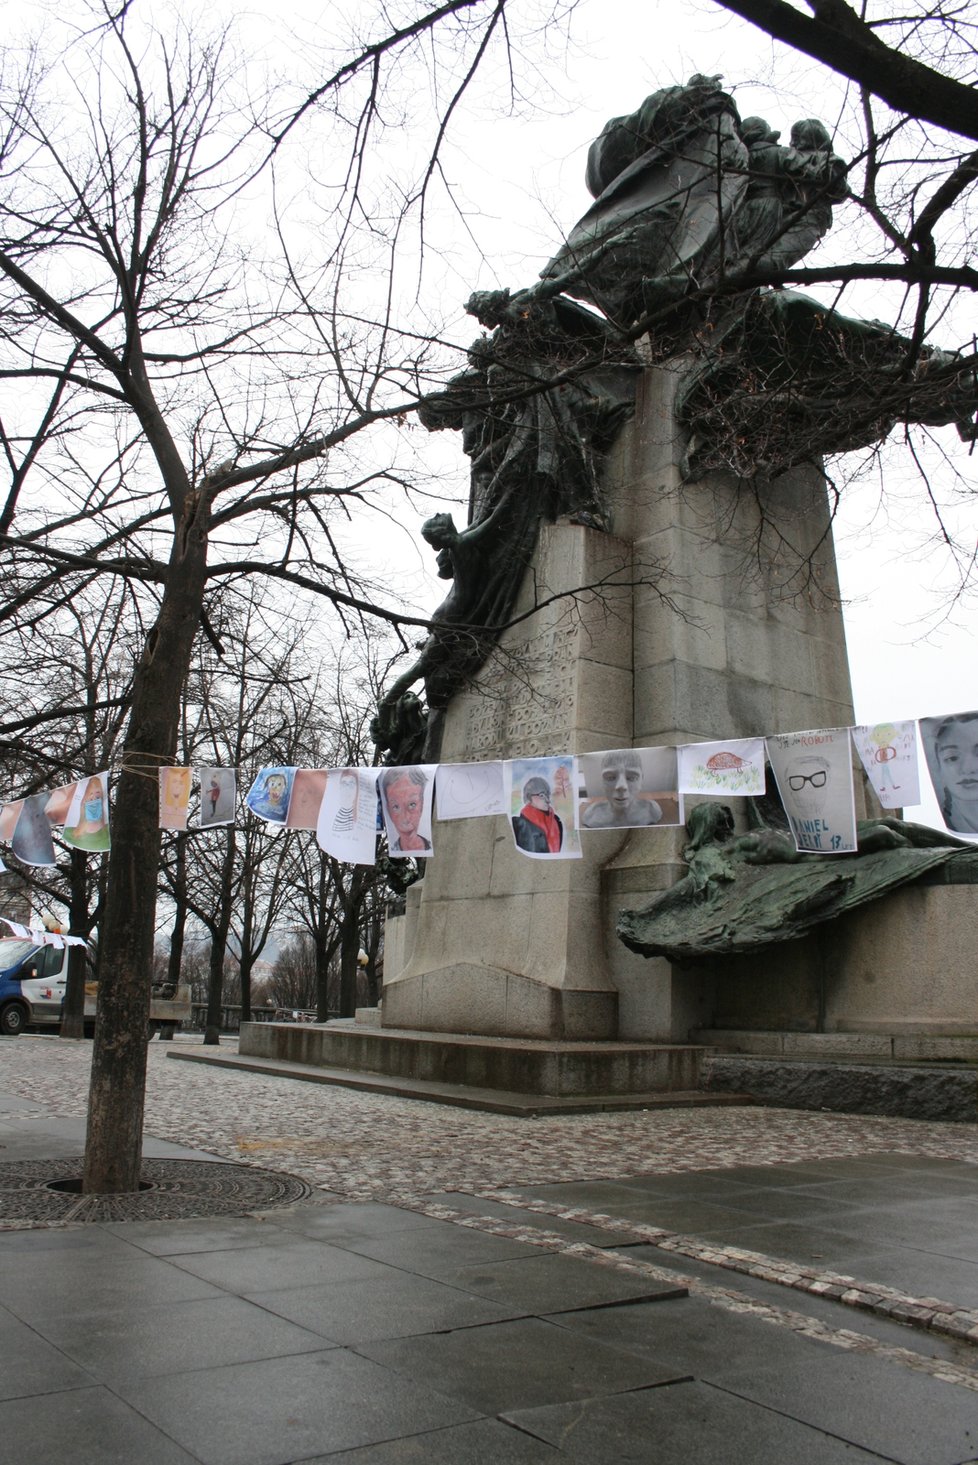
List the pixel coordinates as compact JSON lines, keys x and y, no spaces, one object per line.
{"x":536,"y":828}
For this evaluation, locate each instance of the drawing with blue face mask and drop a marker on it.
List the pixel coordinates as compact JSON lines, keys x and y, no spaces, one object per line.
{"x":90,"y":829}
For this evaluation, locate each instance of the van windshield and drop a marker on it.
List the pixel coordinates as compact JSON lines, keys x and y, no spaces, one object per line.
{"x":14,"y":951}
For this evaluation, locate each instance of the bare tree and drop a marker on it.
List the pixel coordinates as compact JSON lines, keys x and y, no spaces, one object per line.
{"x":193,"y":428}
{"x":295,"y":979}
{"x":183,"y":389}
{"x":69,"y":674}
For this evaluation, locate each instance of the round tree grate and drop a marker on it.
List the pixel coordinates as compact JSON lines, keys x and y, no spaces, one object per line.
{"x":173,"y":1189}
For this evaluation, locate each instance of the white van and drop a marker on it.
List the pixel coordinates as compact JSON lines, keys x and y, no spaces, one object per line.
{"x":33,"y":979}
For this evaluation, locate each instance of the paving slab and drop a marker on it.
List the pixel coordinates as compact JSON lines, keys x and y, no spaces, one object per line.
{"x":174,"y":1238}
{"x":129,"y":1279}
{"x":290,"y":1409}
{"x":906,"y":1416}
{"x":150,"y":1342}
{"x":777,"y":1205}
{"x":86,"y":1427}
{"x":547,"y":1282}
{"x":257,"y":1268}
{"x":919,"y":1272}
{"x":520,"y":1364}
{"x":486,"y":1442}
{"x":856,"y":1216}
{"x":865,"y":1399}
{"x":15,"y":1104}
{"x":32,"y":1365}
{"x":397,"y":1305}
{"x":351,"y":1221}
{"x":440,"y":1253}
{"x":887,"y":1331}
{"x":685,"y":1424}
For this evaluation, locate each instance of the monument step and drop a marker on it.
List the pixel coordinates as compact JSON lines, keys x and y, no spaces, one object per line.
{"x":921,"y":1090}
{"x":903,"y":1043}
{"x":492,"y":1101}
{"x":569,"y":1070}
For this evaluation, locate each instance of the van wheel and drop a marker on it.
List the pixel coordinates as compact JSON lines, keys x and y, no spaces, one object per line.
{"x":13,"y":1019}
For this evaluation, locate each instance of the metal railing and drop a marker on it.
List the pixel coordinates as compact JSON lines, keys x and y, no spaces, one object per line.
{"x":231,"y":1016}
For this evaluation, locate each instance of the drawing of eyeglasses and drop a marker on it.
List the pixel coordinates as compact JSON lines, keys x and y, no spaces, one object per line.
{"x":797,"y":781}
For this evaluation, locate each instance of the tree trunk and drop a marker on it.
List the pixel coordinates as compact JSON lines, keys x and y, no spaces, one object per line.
{"x":373,"y":953}
{"x":350,"y":943}
{"x":175,"y":959}
{"x":116,"y":1097}
{"x":73,"y":1012}
{"x":320,"y":945}
{"x":245,"y":987}
{"x":219,"y":945}
{"x":113,"y":1146}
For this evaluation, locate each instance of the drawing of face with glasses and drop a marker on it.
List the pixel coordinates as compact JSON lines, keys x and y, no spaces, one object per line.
{"x":807,"y":777}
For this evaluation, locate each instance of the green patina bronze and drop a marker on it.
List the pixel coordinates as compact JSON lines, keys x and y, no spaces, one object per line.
{"x":745,"y":892}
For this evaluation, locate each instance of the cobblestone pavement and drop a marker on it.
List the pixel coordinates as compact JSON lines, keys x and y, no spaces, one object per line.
{"x":371,"y":1146}
{"x":362,"y":1146}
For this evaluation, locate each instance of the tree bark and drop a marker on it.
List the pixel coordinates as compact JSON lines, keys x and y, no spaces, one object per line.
{"x":841,"y":39}
{"x":73,"y":1013}
{"x":245,"y":986}
{"x":321,"y":945}
{"x":350,"y":942}
{"x":178,"y":930}
{"x":113,"y":1147}
{"x":219,"y":945}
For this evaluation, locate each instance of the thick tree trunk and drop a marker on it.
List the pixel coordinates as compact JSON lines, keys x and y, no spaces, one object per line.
{"x":113,"y":1147}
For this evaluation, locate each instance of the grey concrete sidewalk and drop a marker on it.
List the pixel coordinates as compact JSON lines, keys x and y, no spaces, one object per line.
{"x":631,"y":1317}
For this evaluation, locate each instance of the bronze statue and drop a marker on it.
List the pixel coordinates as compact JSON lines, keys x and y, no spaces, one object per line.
{"x":666,"y":179}
{"x":745,"y":892}
{"x":689,"y":200}
{"x":539,"y":404}
{"x":787,"y":206}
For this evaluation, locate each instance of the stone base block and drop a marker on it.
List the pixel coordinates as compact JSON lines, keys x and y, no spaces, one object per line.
{"x":527,"y":1067}
{"x":903,"y":965}
{"x":847,"y":1088}
{"x":895,"y":1045}
{"x":480,"y":999}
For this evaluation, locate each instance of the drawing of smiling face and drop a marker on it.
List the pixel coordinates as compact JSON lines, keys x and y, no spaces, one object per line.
{"x":275,"y":786}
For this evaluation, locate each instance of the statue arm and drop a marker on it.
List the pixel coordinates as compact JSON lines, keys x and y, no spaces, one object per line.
{"x":447,"y":409}
{"x":823,"y":172}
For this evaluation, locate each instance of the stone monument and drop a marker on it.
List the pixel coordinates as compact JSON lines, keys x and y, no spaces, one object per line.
{"x":648,"y":558}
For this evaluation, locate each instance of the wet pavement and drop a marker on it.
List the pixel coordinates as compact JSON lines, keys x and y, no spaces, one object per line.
{"x":746,"y":1285}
